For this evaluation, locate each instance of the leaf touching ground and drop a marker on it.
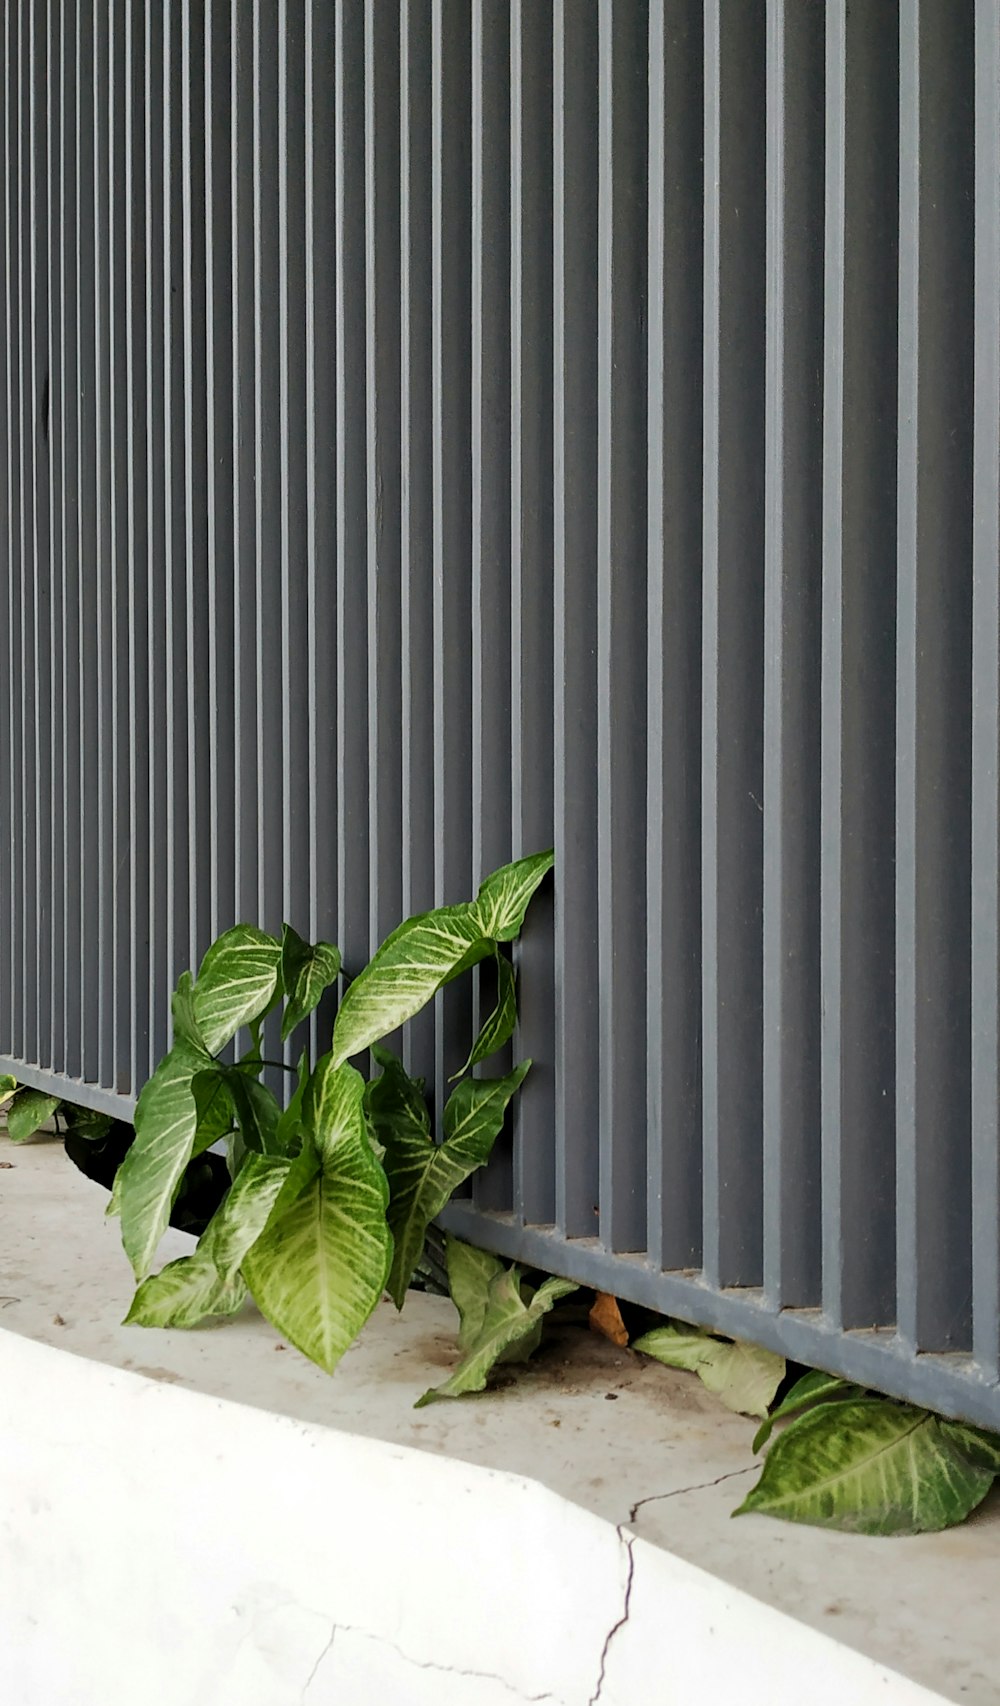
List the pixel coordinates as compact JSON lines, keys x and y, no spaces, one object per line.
{"x":8,"y":1086}
{"x":507,"y":1322}
{"x":606,"y":1318}
{"x":422,"y":1175}
{"x":28,"y":1112}
{"x":499,"y":1027}
{"x":208,"y":1282}
{"x":470,"y":1274}
{"x":813,"y":1387}
{"x":426,"y":952}
{"x":236,"y":982}
{"x":320,"y":1265}
{"x":868,"y":1466}
{"x":503,"y":898}
{"x":743,"y":1376}
{"x":306,"y":972}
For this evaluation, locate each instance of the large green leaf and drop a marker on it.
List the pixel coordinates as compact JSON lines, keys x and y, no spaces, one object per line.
{"x":743,"y":1376}
{"x":166,"y":1120}
{"x":306,"y":972}
{"x":236,"y":982}
{"x":409,"y":968}
{"x":208,"y":1282}
{"x":426,"y":952}
{"x":868,"y":1466}
{"x":811,"y":1389}
{"x":498,"y":1028}
{"x":28,"y":1112}
{"x":507,"y":1322}
{"x":470,"y":1275}
{"x":503,"y":897}
{"x":8,"y":1087}
{"x":422,"y":1175}
{"x":321,"y":1263}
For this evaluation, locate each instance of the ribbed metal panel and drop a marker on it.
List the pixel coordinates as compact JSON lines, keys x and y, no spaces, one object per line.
{"x":435,"y":430}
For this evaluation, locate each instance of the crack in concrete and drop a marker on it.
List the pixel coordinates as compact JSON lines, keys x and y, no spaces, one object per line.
{"x":699,"y":1487}
{"x":420,"y":1664}
{"x":628,"y":1541}
{"x":311,"y":1678}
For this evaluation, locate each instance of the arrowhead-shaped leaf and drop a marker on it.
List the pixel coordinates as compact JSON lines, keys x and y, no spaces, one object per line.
{"x":743,"y":1376}
{"x":499,"y":1027}
{"x":503,"y":898}
{"x":306,"y":972}
{"x":28,"y":1112}
{"x":320,"y":1266}
{"x":811,"y":1389}
{"x":166,"y":1120}
{"x":507,"y":1322}
{"x":868,"y":1466}
{"x":236,"y":982}
{"x":8,"y":1087}
{"x":426,"y":952}
{"x":208,"y":1282}
{"x":422,"y":1175}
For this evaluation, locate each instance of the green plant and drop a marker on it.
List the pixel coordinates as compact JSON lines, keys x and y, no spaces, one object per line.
{"x":26,"y":1111}
{"x":500,"y":1316}
{"x":331,"y":1197}
{"x":845,"y":1458}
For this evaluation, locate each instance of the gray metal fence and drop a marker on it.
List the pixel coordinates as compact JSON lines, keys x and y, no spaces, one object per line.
{"x":433,"y":430}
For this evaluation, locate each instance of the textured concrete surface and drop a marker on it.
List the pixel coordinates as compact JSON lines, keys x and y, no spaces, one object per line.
{"x":633,"y":1443}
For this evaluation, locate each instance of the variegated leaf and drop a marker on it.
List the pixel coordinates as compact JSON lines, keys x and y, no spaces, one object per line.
{"x":306,"y":972}
{"x":742,"y":1375}
{"x":28,"y":1112}
{"x":166,"y":1119}
{"x":236,"y":982}
{"x":426,"y":952}
{"x":320,"y":1266}
{"x":409,"y":968}
{"x":507,"y":1322}
{"x":868,"y":1466}
{"x":503,"y":898}
{"x":8,"y":1087}
{"x":421,"y":1174}
{"x":208,"y":1282}
{"x":813,"y":1388}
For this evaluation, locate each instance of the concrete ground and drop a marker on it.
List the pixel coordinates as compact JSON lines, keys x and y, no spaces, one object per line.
{"x":635,"y":1443}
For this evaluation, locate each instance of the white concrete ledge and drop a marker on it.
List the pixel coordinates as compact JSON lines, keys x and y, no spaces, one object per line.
{"x":218,"y":1525}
